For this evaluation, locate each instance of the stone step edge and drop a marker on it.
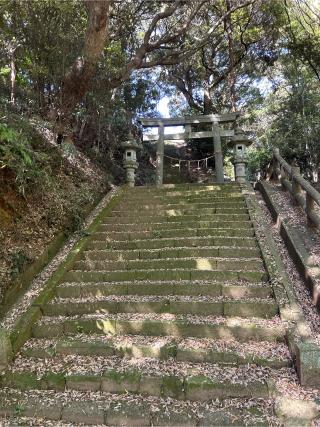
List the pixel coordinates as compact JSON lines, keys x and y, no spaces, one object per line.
{"x":169,"y":350}
{"x":248,"y":331}
{"x":174,"y":248}
{"x":162,"y":288}
{"x":188,"y":387}
{"x":162,"y":226}
{"x":158,"y":274}
{"x":175,"y":230}
{"x":261,"y":309}
{"x":139,"y":411}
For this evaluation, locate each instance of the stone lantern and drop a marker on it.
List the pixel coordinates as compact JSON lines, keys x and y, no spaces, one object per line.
{"x":130,"y":158}
{"x":240,"y":143}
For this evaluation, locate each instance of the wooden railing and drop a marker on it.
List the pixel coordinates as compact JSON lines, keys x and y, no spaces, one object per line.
{"x":300,"y":189}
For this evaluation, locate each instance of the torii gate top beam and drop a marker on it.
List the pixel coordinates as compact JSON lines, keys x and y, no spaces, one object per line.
{"x":188,"y":120}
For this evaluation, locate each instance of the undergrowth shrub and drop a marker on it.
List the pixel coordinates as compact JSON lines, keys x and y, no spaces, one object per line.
{"x":19,"y":259}
{"x":29,"y":166}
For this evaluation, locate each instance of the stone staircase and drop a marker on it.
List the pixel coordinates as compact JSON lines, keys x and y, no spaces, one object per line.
{"x":166,"y":318}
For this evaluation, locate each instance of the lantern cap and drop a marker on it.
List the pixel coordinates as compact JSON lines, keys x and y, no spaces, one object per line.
{"x":131,"y":142}
{"x":240,"y":137}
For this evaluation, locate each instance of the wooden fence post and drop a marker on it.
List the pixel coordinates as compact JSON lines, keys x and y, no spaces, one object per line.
{"x":275,"y":165}
{"x":296,"y":187}
{"x":309,"y":209}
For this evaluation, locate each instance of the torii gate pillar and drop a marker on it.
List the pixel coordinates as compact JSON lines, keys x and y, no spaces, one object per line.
{"x":218,"y":157}
{"x":160,"y":153}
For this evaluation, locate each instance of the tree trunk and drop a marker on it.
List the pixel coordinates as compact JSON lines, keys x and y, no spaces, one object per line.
{"x":78,"y":79}
{"x":232,"y":74}
{"x":13,"y":74}
{"x":207,"y":101}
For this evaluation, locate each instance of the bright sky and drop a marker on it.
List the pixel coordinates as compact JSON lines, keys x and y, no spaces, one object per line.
{"x":164,"y":111}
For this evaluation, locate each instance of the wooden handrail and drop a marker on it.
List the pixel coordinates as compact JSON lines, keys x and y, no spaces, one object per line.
{"x":292,"y":181}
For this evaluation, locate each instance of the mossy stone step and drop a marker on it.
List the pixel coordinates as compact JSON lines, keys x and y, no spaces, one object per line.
{"x":189,"y":387}
{"x":134,"y":219}
{"x":255,"y":308}
{"x":205,"y":263}
{"x":165,"y":275}
{"x":241,"y":213}
{"x":229,"y":329}
{"x":99,"y":409}
{"x":196,"y":186}
{"x":161,"y":226}
{"x":201,"y":197}
{"x":214,"y":251}
{"x":159,"y":243}
{"x":163,"y":351}
{"x":125,"y":212}
{"x":183,"y":204}
{"x":79,"y":290}
{"x":180,"y":232}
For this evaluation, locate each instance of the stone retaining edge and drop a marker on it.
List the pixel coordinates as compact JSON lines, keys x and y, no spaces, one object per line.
{"x":21,"y":284}
{"x":306,"y":353}
{"x":11,"y":342}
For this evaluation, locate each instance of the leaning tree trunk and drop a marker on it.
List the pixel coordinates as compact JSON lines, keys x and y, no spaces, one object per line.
{"x":78,"y":78}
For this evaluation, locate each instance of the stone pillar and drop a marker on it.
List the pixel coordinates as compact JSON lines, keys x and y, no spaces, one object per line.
{"x":218,"y":157}
{"x":240,"y":143}
{"x":160,"y":153}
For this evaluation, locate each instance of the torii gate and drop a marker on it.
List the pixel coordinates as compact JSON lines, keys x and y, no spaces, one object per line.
{"x":216,"y":133}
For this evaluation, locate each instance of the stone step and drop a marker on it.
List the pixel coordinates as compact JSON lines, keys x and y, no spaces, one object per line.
{"x":264,"y":308}
{"x":136,"y":254}
{"x":274,"y":355}
{"x":165,"y":275}
{"x":208,"y":191}
{"x":162,"y":226}
{"x":183,"y":204}
{"x":180,"y":326}
{"x":150,"y":377}
{"x":137,"y":218}
{"x":182,"y":215}
{"x":228,"y":186}
{"x":202,"y":264}
{"x":180,"y":232}
{"x":77,"y":290}
{"x":125,"y":212}
{"x":47,"y":408}
{"x":170,"y":243}
{"x":185,"y":198}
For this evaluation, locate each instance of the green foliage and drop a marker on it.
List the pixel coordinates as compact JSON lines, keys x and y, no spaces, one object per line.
{"x":258,"y":158}
{"x":19,"y":259}
{"x":17,"y":154}
{"x":76,"y":220}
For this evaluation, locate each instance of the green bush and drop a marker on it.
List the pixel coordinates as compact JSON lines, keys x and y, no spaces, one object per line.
{"x":258,"y":159}
{"x":28,"y":165}
{"x":19,"y":259}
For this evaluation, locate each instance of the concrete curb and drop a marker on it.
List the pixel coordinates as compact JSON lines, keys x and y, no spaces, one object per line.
{"x":293,"y":242}
{"x":306,"y":353}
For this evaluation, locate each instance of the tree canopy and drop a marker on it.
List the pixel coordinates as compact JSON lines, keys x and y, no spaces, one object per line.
{"x":84,"y":64}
